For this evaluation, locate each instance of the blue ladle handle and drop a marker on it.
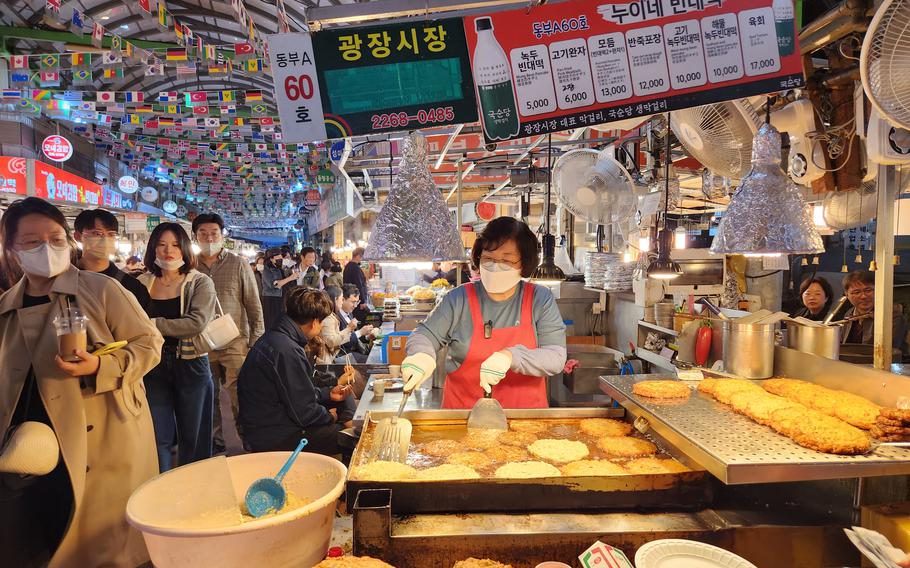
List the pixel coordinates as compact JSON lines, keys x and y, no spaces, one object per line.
{"x":287,"y":465}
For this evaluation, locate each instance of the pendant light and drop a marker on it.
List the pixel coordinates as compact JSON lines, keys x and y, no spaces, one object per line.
{"x":548,"y":272}
{"x":663,"y":267}
{"x":767,"y":214}
{"x":414,"y":224}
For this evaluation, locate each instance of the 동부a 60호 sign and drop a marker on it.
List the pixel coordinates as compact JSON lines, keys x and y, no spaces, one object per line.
{"x":587,"y":62}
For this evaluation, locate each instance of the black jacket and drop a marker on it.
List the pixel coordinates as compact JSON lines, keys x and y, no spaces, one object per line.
{"x":353,"y":274}
{"x":275,"y":388}
{"x":132,"y":285}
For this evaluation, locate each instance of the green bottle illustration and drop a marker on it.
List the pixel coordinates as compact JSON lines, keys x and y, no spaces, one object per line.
{"x":783,"y":23}
{"x":493,"y":77}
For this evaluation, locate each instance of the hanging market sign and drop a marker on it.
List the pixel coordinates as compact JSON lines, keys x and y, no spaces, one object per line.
{"x":13,"y":175}
{"x":128,"y":184}
{"x":58,"y":185}
{"x":151,"y":222}
{"x":169,"y":207}
{"x":325,"y":178}
{"x":296,"y":88}
{"x":577,"y":64}
{"x":394,"y":77}
{"x":57,"y":148}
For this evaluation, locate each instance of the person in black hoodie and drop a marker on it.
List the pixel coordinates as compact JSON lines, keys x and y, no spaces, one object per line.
{"x":279,"y":403}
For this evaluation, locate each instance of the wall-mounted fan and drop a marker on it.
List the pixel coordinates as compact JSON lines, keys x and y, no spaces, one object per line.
{"x":594,"y":186}
{"x":884,"y":62}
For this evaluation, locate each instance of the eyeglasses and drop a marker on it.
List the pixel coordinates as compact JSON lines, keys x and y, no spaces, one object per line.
{"x":100,"y":234}
{"x":863,"y":292}
{"x":485,"y":260}
{"x":29,"y":244}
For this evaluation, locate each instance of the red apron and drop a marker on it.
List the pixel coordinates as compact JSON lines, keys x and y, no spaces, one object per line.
{"x":462,"y":388}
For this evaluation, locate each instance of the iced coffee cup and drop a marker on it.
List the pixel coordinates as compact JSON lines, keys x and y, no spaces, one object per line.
{"x":71,"y":328}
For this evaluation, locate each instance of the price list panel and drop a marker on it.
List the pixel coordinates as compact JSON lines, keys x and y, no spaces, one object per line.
{"x":584,"y":63}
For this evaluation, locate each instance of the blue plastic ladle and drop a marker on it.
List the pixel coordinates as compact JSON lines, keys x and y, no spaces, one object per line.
{"x":267,"y":494}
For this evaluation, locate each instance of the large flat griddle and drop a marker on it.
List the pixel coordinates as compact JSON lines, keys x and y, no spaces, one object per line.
{"x":738,"y":450}
{"x":677,"y":491}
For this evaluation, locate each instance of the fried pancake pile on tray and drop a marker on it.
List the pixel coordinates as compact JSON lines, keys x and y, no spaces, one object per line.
{"x":806,"y":426}
{"x":662,"y":389}
{"x":892,"y":425}
{"x":850,"y":408}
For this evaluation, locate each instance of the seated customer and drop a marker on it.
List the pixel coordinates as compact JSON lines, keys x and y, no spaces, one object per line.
{"x":859,"y":287}
{"x":816,"y":295}
{"x":323,"y":377}
{"x":339,"y":330}
{"x":279,"y":403}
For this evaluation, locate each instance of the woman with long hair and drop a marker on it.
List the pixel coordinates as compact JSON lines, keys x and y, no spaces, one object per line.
{"x":96,"y":407}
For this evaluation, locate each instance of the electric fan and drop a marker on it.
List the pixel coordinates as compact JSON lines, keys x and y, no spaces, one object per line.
{"x":884,"y":62}
{"x":594,"y":186}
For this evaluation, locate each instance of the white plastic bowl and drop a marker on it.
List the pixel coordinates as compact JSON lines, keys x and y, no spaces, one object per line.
{"x":299,"y":537}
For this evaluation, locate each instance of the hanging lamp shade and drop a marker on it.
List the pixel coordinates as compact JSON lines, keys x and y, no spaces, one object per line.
{"x":767,"y":214}
{"x":414,"y":225}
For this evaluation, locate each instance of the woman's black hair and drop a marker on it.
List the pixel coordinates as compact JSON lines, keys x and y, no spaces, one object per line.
{"x":326,"y":262}
{"x":826,"y":287}
{"x":183,"y":241}
{"x":334,"y":293}
{"x":503,"y":229}
{"x":10,"y":272}
{"x":304,"y":305}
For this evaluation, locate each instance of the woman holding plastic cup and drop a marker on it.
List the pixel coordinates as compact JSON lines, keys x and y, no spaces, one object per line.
{"x":95,"y":406}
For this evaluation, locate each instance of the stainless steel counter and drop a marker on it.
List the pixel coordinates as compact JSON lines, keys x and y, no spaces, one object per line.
{"x":420,"y":400}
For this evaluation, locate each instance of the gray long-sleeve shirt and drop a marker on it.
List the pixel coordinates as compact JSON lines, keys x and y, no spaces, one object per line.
{"x":451,"y":324}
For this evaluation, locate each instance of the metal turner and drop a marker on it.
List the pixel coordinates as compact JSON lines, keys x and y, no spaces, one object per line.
{"x":394,"y":435}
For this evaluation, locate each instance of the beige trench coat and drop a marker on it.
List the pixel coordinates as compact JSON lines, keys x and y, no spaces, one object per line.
{"x":105,"y":430}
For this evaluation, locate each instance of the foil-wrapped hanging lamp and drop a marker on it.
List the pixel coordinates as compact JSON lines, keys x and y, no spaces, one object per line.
{"x":414,"y":224}
{"x":767,"y":215}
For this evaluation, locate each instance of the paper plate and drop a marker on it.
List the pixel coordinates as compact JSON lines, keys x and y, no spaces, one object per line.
{"x":678,"y":553}
{"x":392,"y":385}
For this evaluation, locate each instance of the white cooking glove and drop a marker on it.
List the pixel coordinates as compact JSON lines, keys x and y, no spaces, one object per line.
{"x":415,"y":369}
{"x":494,"y":369}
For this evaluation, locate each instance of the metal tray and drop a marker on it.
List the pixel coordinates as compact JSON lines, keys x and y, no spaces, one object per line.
{"x":679,"y":491}
{"x":738,"y":450}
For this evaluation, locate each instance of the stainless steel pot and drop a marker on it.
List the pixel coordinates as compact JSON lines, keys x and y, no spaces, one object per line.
{"x":823,"y":341}
{"x":749,"y":349}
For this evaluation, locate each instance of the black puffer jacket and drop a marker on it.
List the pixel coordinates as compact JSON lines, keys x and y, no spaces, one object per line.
{"x":275,"y":388}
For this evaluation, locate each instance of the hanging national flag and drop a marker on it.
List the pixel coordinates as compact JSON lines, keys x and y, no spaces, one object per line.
{"x":19,"y":77}
{"x":11,"y":94}
{"x":146,"y":6}
{"x":127,"y":49}
{"x":97,"y":35}
{"x":77,"y":23}
{"x":150,"y":124}
{"x":133,"y":97}
{"x":116,"y":43}
{"x":78,"y":60}
{"x":172,"y":109}
{"x":178,"y":30}
{"x":116,"y":108}
{"x":18,"y":61}
{"x":49,"y":78}
{"x":104,"y":96}
{"x":228,"y":109}
{"x":112,"y":73}
{"x":219,"y":69}
{"x":243,"y":51}
{"x":283,"y":24}
{"x":254,"y":65}
{"x":178,"y":54}
{"x":86,"y":106}
{"x":196,"y":97}
{"x":200,"y":110}
{"x":259,"y":109}
{"x":253,"y":96}
{"x":238,"y":122}
{"x":162,"y":14}
{"x":212,"y":123}
{"x":154,"y":69}
{"x":109,"y":58}
{"x":186,"y":68}
{"x":210,"y":52}
{"x":167,"y":96}
{"x":165,"y":122}
{"x":50,"y":61}
{"x":82,"y":77}
{"x":226,"y":96}
{"x":52,"y":6}
{"x":267,"y":121}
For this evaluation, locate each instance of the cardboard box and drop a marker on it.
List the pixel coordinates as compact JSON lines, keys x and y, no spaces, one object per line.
{"x":393,"y":347}
{"x":892,"y":520}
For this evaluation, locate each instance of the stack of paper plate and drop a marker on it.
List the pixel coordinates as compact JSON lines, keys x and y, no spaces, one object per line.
{"x":678,"y":553}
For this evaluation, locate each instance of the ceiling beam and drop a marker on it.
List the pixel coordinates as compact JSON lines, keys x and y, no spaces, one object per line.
{"x":358,"y":13}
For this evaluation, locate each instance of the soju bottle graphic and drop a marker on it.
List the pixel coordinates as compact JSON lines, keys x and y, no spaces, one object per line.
{"x":783,"y":23}
{"x":493,"y":78}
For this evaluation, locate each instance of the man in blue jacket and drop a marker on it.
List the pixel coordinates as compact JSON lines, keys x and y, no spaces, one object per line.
{"x":279,"y":403}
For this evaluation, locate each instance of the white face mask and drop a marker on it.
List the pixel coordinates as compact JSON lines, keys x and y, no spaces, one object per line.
{"x":497,"y":277}
{"x":210,"y":249}
{"x":288,"y":263}
{"x":169,"y":264}
{"x":100,"y":248}
{"x":260,"y":267}
{"x":44,"y":260}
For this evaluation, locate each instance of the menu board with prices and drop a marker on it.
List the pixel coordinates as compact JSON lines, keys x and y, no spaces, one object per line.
{"x":394,"y":77}
{"x":577,"y":64}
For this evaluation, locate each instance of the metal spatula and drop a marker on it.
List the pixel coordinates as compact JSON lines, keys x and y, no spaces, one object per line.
{"x":394,"y":435}
{"x":488,"y":414}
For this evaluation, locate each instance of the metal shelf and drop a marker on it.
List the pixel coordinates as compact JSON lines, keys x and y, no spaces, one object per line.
{"x":738,"y":450}
{"x":655,"y":359}
{"x":655,"y":327}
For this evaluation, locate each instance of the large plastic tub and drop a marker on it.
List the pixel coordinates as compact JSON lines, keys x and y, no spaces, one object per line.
{"x":299,"y":537}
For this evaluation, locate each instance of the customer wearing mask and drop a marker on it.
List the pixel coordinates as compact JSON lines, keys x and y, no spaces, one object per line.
{"x":96,"y":406}
{"x":180,"y":388}
{"x":238,"y":296}
{"x":502,"y":333}
{"x":279,"y":403}
{"x":342,"y":337}
{"x":96,"y":230}
{"x":258,"y":267}
{"x":272,"y":296}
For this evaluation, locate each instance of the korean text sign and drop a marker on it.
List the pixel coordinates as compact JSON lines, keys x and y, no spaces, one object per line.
{"x":59,"y":185}
{"x":394,"y":77}
{"x":296,"y":88}
{"x":13,"y":175}
{"x":582,"y":63}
